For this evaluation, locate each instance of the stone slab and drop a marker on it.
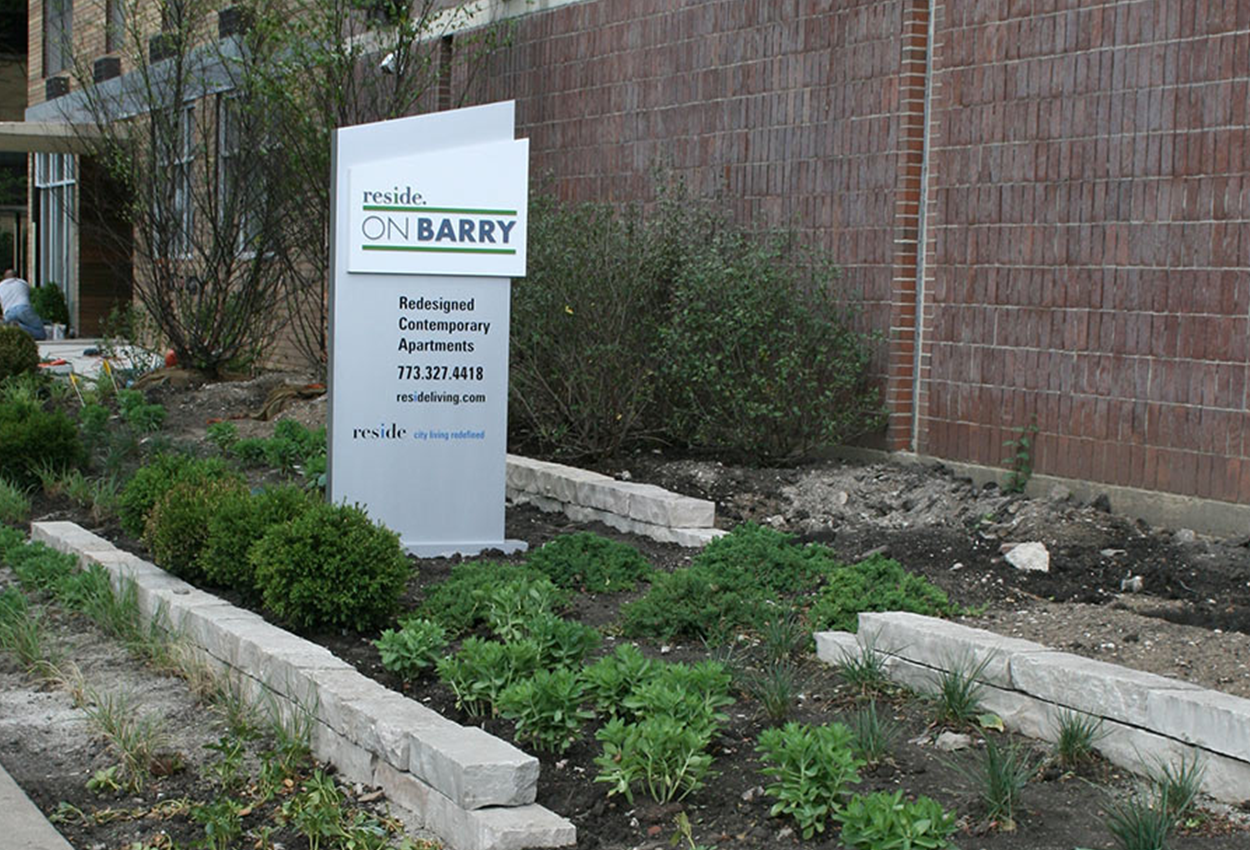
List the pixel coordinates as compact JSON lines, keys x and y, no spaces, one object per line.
{"x":835,"y":647}
{"x":1213,"y":720}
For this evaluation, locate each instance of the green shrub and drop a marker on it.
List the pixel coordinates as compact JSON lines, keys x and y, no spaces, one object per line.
{"x":461,"y":602}
{"x":154,"y":479}
{"x":240,"y":520}
{"x":883,"y":821}
{"x":660,"y":754}
{"x":483,"y":669}
{"x":811,"y":768}
{"x":562,"y":643}
{"x":18,"y":352}
{"x":590,"y":563}
{"x":14,"y":503}
{"x":614,"y":677}
{"x":49,"y":302}
{"x":33,"y":438}
{"x":764,"y":558}
{"x":223,"y":435}
{"x":414,"y":647}
{"x":511,"y":607}
{"x":760,"y":355}
{"x":875,"y":584}
{"x":177,"y":528}
{"x":547,"y":708}
{"x":692,"y":695}
{"x":93,"y":422}
{"x":137,"y":413}
{"x":330,"y":567}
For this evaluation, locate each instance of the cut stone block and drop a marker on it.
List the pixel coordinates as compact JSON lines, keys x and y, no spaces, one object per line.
{"x":1213,"y":720}
{"x":835,"y":647}
{"x":1094,"y":687}
{"x":354,"y":763}
{"x":941,"y":643}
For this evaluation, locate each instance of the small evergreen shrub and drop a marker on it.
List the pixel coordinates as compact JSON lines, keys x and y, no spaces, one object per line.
{"x":177,"y":527}
{"x":462,"y":601}
{"x":330,"y":567}
{"x":18,"y":352}
{"x":875,"y":584}
{"x":154,"y":479}
{"x":765,"y":558}
{"x":590,"y":563}
{"x":242,"y":518}
{"x":49,"y":302}
{"x":93,"y":422}
{"x":411,"y":649}
{"x":32,"y":439}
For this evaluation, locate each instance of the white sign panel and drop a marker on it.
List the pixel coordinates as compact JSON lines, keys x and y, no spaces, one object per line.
{"x":450,"y":212}
{"x":429,"y":226}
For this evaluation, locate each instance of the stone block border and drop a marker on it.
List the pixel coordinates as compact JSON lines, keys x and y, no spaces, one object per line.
{"x":473,"y":790}
{"x":1148,"y":720}
{"x":584,"y":496}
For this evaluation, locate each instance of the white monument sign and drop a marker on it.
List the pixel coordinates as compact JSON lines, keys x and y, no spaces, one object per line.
{"x":430,"y":225}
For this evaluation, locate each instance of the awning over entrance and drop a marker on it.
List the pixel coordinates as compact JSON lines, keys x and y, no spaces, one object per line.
{"x":45,"y":136}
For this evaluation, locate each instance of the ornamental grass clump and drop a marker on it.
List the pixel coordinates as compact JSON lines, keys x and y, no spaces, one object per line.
{"x":330,"y":567}
{"x":812,"y":768}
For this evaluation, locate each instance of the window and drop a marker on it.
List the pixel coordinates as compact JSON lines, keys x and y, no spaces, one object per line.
{"x":55,"y":176}
{"x":58,"y":30}
{"x":173,"y":227}
{"x":239,"y":194}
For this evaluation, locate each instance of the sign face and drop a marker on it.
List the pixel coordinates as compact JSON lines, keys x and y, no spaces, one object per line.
{"x":429,"y":226}
{"x":451,"y":212}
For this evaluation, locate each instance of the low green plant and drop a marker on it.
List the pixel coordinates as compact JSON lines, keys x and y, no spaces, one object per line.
{"x":874,"y":584}
{"x":659,"y":754}
{"x":18,"y":352}
{"x":134,"y":738}
{"x":154,"y":479}
{"x":413,"y":648}
{"x":959,"y":691}
{"x":49,"y":302}
{"x":811,"y":767}
{"x":562,"y":643}
{"x":178,"y":526}
{"x":106,"y":780}
{"x":31,"y":438}
{"x":884,"y":821}
{"x":93,"y":420}
{"x":1077,"y":737}
{"x":227,"y":770}
{"x":874,"y":734}
{"x":136,"y":412}
{"x":330,"y":567}
{"x":512,"y":606}
{"x":483,"y":669}
{"x":1000,"y":776}
{"x":587,"y":562}
{"x":547,"y":708}
{"x":1020,"y":461}
{"x":783,"y":634}
{"x":22,"y":632}
{"x":223,"y":435}
{"x":612,"y":678}
{"x":775,"y":687}
{"x":1178,"y":783}
{"x":460,"y":602}
{"x":239,"y":520}
{"x":694,"y":695}
{"x":14,"y":503}
{"x":865,"y":670}
{"x":1141,"y":822}
{"x":221,"y":820}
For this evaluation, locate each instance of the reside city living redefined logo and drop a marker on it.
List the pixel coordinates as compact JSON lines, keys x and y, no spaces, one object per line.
{"x":400,"y":219}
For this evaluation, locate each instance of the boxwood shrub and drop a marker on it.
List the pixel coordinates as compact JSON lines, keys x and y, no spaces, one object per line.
{"x":241,"y":519}
{"x":178,"y":528}
{"x":154,"y":479}
{"x":31,"y":437}
{"x":330,"y":567}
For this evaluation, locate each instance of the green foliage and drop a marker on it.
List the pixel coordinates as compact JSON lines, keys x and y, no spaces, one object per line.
{"x":760,"y":354}
{"x":865,"y":670}
{"x":727,"y":587}
{"x":460,"y":602}
{"x":692,"y":695}
{"x":1177,"y":783}
{"x":483,"y":669}
{"x":660,"y":754}
{"x":93,"y":424}
{"x":31,"y":437}
{"x":1020,"y":461}
{"x":49,"y":302}
{"x":241,"y":519}
{"x":590,"y":563}
{"x":1076,"y":741}
{"x":776,"y":687}
{"x":156,"y":478}
{"x":290,"y":446}
{"x":612,"y":678}
{"x":330,"y":567}
{"x":1142,"y":822}
{"x":512,"y":606}
{"x":884,"y":821}
{"x":1000,"y":777}
{"x":414,"y":647}
{"x":959,"y":691}
{"x":137,"y":413}
{"x":562,"y":643}
{"x":14,"y":503}
{"x":811,"y":768}
{"x":223,"y":435}
{"x":178,"y":526}
{"x":873,"y":733}
{"x":18,"y":352}
{"x":875,"y":584}
{"x":547,"y":708}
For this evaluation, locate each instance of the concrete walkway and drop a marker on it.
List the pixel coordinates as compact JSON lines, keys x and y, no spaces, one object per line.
{"x":77,"y":360}
{"x":25,"y":827}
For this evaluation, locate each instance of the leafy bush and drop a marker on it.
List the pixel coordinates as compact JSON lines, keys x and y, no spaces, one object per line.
{"x":31,"y":437}
{"x":154,"y":479}
{"x":291,"y":445}
{"x":483,"y":669}
{"x":137,"y":413}
{"x":511,"y":607}
{"x":330,"y":567}
{"x":811,"y":766}
{"x":562,"y":643}
{"x":590,"y":563}
{"x":612,"y":678}
{"x":764,"y":558}
{"x":18,"y":352}
{"x":460,"y":602}
{"x":416,"y":646}
{"x":240,"y":520}
{"x":177,"y":528}
{"x":223,"y":435}
{"x":875,"y":584}
{"x":660,"y":754}
{"x":692,"y":695}
{"x":760,"y":355}
{"x":49,"y":302}
{"x":547,"y":708}
{"x":93,"y":423}
{"x":884,"y":821}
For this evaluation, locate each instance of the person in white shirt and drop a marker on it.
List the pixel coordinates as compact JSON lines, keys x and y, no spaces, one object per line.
{"x":15,"y":299}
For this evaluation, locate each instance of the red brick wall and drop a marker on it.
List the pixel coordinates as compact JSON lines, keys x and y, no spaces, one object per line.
{"x":1090,"y":176}
{"x":789,"y":108}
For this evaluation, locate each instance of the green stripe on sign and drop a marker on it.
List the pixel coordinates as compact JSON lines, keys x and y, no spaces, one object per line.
{"x":454,"y":210}
{"x":430,"y":249}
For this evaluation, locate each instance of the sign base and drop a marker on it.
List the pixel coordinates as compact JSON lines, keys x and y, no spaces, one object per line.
{"x":443,"y":550}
